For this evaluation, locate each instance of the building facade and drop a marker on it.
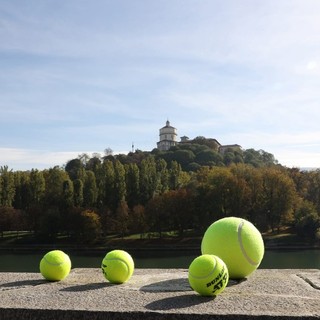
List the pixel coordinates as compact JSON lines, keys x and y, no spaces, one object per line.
{"x":167,"y":137}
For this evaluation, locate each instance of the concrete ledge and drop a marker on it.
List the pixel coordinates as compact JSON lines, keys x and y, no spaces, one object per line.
{"x":159,"y":294}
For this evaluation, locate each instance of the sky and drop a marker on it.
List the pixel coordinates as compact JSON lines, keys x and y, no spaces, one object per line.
{"x":82,"y":76}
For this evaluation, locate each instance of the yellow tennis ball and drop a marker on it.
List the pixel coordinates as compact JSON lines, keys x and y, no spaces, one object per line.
{"x":55,"y":265}
{"x":117,"y":266}
{"x":208,"y":275}
{"x":237,"y":242}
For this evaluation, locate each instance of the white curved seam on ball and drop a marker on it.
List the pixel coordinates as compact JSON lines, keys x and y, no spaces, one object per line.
{"x":117,"y":259}
{"x":53,"y":264}
{"x":207,"y":275}
{"x":242,"y":247}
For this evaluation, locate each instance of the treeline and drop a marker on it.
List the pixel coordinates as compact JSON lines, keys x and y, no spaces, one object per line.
{"x":153,"y":192}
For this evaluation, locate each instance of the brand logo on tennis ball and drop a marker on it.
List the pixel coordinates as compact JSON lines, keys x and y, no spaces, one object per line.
{"x":219,"y":281}
{"x":103,"y":269}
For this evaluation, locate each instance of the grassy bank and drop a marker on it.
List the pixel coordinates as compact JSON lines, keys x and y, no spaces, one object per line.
{"x":282,"y":239}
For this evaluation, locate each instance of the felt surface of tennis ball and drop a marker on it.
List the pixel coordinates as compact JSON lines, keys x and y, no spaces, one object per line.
{"x":208,"y":275}
{"x":55,"y":265}
{"x":117,"y":266}
{"x":237,"y":242}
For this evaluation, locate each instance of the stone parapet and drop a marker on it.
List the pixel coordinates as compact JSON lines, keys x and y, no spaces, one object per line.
{"x":159,"y":294}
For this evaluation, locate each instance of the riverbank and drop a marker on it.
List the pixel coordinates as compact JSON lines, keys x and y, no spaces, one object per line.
{"x":285,"y":239}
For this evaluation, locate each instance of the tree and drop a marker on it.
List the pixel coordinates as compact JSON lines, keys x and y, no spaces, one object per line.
{"x":90,"y":191}
{"x":279,"y":197}
{"x":122,"y":218}
{"x":50,"y":223}
{"x":208,"y":157}
{"x":148,"y":179}
{"x":174,"y":175}
{"x":54,"y":181}
{"x":7,"y":187}
{"x":68,"y":193}
{"x":107,"y":184}
{"x":119,"y":190}
{"x":75,"y":169}
{"x":37,"y":187}
{"x":94,"y":163}
{"x":163,"y":176}
{"x":108,"y":152}
{"x":137,"y":220}
{"x":90,"y":226}
{"x":78,"y":192}
{"x":313,"y":188}
{"x":22,"y":190}
{"x":132,"y":184}
{"x":157,"y":216}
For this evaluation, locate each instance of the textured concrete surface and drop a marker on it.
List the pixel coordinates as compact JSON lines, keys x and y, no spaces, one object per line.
{"x":159,"y":294}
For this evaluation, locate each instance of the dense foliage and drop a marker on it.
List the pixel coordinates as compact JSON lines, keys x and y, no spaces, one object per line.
{"x":185,"y":188}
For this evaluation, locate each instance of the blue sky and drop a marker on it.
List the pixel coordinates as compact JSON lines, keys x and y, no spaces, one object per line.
{"x":82,"y":76}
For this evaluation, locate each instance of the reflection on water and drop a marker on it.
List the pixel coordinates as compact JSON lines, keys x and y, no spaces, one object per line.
{"x":289,"y":259}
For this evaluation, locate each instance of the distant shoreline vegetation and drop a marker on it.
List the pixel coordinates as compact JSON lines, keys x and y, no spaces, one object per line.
{"x":181,"y":190}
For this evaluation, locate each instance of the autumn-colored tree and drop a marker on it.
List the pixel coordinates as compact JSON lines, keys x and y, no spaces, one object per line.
{"x":279,"y":196}
{"x":122,"y":219}
{"x":90,"y":226}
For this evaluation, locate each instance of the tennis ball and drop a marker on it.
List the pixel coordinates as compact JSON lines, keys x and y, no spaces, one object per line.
{"x":208,"y":275}
{"x":237,"y":242}
{"x":55,"y":265}
{"x":117,"y":266}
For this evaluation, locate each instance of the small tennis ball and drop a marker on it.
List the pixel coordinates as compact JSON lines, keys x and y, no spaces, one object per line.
{"x":237,"y":242}
{"x":55,"y":265}
{"x":117,"y":266}
{"x":208,"y":275}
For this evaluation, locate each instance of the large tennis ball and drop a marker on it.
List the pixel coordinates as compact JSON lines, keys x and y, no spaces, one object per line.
{"x":117,"y":266}
{"x":55,"y":265}
{"x":237,"y":242}
{"x":208,"y":275}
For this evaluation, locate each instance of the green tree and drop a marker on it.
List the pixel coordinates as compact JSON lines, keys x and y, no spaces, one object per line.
{"x":163,"y":176}
{"x":107,"y":187}
{"x":90,"y":191}
{"x":208,"y":157}
{"x":37,"y":187}
{"x":132,"y":184}
{"x":7,"y":186}
{"x":22,"y":194}
{"x":119,"y":189}
{"x":54,"y":182}
{"x":75,"y":169}
{"x":174,"y":175}
{"x":78,"y":192}
{"x":68,"y":193}
{"x":148,"y":179}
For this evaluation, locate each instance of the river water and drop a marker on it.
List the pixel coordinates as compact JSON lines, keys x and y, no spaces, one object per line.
{"x":279,"y":259}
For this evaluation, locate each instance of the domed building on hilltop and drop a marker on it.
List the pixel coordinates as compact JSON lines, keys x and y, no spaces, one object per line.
{"x":168,"y":137}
